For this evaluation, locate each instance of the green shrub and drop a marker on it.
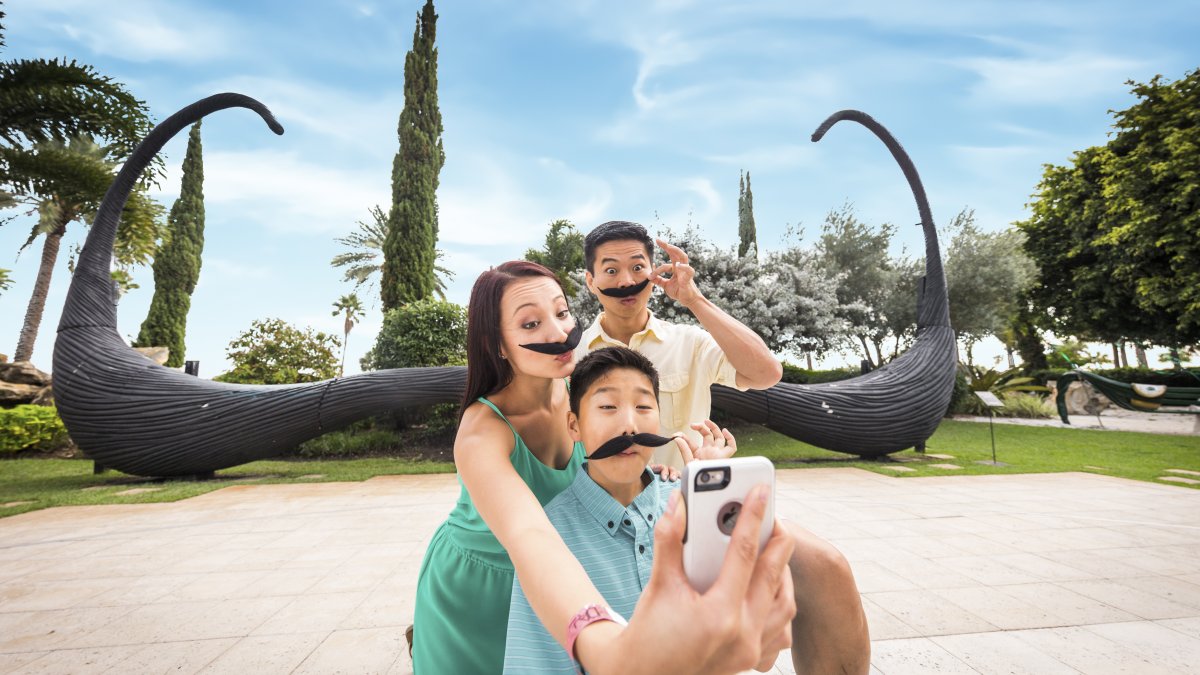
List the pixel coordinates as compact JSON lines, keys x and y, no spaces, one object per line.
{"x":276,"y":352}
{"x":1046,"y":376}
{"x":349,"y":443}
{"x":1131,"y":375}
{"x":963,"y":401}
{"x":1027,"y":405}
{"x":31,"y":427}
{"x":423,"y":333}
{"x":798,"y":375}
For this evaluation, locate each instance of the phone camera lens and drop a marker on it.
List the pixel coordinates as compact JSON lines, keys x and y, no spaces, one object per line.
{"x":704,"y":477}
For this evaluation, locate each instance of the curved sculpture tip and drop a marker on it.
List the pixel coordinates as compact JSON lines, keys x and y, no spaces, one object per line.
{"x":836,"y":117}
{"x":229,"y":98}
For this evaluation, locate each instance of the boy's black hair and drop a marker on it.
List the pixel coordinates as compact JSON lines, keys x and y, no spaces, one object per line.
{"x":602,"y":361}
{"x":615,"y":230}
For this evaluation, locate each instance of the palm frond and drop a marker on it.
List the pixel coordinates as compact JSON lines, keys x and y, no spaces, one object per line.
{"x":43,"y":100}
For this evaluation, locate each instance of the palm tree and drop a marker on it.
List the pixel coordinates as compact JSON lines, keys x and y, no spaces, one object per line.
{"x":350,"y":307}
{"x":65,"y":182}
{"x":50,"y":112}
{"x":363,"y":262}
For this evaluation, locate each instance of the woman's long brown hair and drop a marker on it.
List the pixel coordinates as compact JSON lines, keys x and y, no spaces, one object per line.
{"x":487,"y":373}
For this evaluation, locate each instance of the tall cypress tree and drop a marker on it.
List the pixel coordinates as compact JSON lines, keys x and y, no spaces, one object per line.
{"x":409,"y":251}
{"x":177,"y":265}
{"x":747,"y":234}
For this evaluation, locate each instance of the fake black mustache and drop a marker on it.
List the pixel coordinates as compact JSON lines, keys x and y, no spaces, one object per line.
{"x":626,"y":292}
{"x":619,"y":444}
{"x":557,"y":348}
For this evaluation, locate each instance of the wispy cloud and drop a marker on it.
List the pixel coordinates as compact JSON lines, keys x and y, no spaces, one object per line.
{"x":491,"y":198}
{"x":1048,"y":79}
{"x":139,"y":30}
{"x":280,"y":191}
{"x":349,"y":116}
{"x":769,"y":157}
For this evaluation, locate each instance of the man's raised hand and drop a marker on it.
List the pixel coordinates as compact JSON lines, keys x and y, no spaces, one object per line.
{"x":681,"y":286}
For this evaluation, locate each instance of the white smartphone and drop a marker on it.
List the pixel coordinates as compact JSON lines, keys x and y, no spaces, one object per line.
{"x":713,"y":491}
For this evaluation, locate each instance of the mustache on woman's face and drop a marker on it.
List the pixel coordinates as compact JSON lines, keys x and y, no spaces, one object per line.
{"x":626,"y":292}
{"x":557,"y":348}
{"x":619,"y":444}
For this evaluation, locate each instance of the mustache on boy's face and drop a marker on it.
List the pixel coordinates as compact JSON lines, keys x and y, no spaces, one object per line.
{"x":619,"y":444}
{"x":626,"y":292}
{"x":556,"y":348}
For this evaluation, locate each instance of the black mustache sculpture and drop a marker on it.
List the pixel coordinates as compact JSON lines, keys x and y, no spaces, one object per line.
{"x":130,"y":414}
{"x":618,"y":444}
{"x":556,"y":348}
{"x":626,"y":292}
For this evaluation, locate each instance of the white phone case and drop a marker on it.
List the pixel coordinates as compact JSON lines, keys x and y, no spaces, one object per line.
{"x":704,"y":544}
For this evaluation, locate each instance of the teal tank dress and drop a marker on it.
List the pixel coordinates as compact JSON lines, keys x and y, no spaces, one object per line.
{"x":466,"y":579}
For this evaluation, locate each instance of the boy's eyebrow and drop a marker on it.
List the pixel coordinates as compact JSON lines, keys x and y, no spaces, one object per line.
{"x":609,"y":388}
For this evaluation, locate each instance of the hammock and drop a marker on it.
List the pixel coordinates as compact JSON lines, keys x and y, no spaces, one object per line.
{"x":1139,"y":397}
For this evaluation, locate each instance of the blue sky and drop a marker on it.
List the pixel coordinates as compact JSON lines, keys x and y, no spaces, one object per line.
{"x":589,"y":111}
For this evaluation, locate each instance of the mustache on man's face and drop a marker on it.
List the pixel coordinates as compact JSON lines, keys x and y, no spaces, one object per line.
{"x":627,"y":291}
{"x":619,"y":444}
{"x":557,"y":348}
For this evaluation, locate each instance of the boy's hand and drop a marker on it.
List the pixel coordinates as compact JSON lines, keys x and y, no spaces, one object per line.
{"x":668,"y":474}
{"x":715,"y":442}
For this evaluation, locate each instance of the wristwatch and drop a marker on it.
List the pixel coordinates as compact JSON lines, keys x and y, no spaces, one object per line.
{"x":588,"y":615}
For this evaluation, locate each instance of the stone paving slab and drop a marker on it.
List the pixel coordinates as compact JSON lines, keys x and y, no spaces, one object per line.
{"x":1043,"y":573}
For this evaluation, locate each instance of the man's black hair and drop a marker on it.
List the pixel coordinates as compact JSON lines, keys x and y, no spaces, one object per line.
{"x":615,"y":230}
{"x":599,"y":363}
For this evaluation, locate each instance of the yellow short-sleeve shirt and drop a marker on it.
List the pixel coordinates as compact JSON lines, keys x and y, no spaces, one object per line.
{"x":688,"y":360}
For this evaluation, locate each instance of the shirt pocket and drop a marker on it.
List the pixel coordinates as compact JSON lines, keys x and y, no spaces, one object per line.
{"x":672,"y":388}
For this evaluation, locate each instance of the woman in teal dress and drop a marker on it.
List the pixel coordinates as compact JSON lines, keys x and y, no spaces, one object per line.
{"x":520,"y":336}
{"x":466,"y":578}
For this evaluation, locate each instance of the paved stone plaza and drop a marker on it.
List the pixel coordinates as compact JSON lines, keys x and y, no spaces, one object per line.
{"x":1050,"y":573}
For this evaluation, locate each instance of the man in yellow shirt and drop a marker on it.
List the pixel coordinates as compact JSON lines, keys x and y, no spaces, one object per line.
{"x":829,"y":633}
{"x":620,"y":272}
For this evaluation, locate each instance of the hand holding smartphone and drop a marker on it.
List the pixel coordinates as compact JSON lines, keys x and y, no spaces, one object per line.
{"x":713,"y":491}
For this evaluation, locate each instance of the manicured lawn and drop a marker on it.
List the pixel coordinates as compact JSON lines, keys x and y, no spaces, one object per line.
{"x":1025,"y":449}
{"x":58,"y":482}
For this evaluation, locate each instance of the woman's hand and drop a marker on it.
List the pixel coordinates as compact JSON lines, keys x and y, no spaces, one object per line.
{"x":742,"y":622}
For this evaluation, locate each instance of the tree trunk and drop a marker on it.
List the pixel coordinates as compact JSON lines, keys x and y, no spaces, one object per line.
{"x":808,"y":358}
{"x":1011,"y":363}
{"x":41,"y":288}
{"x":1176,"y":364}
{"x":1116,"y":356}
{"x":1124,"y":355}
{"x":345,"y":344}
{"x":878,"y":354}
{"x":866,"y":350}
{"x":1140,"y":352}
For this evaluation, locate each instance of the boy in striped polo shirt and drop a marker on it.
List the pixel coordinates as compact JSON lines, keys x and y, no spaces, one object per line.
{"x":607,"y":515}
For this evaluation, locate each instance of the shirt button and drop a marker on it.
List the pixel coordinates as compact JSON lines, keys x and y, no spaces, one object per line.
{"x":627,"y":522}
{"x":650,"y":517}
{"x":610,"y":523}
{"x":641,"y":548}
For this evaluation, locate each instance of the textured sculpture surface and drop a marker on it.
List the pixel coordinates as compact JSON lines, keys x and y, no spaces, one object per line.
{"x":131,"y":414}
